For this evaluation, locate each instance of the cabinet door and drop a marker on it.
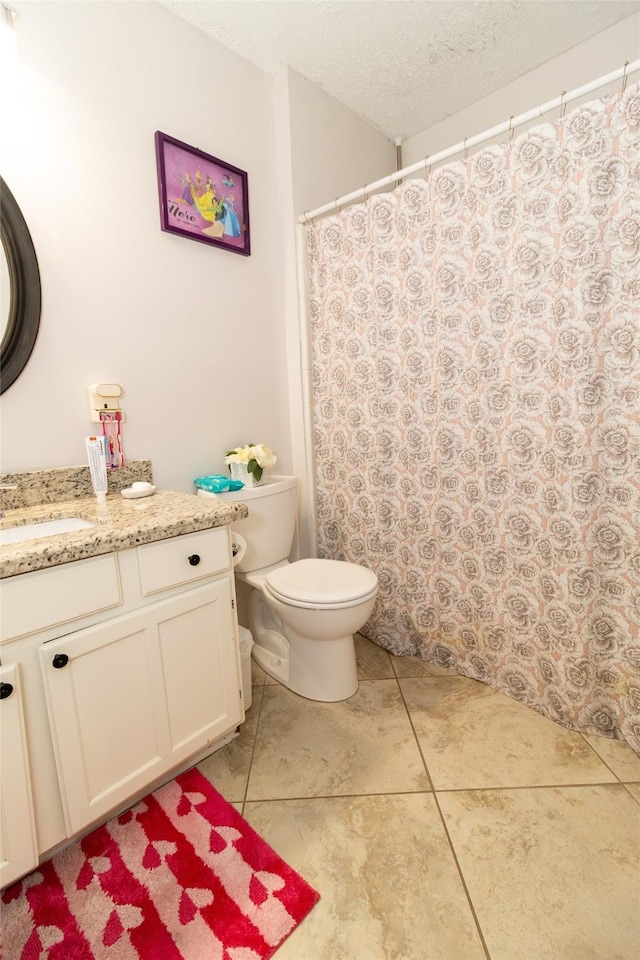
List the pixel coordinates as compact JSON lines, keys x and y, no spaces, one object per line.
{"x":18,"y":850}
{"x":130,"y":699}
{"x":109,"y":724}
{"x":200,"y":668}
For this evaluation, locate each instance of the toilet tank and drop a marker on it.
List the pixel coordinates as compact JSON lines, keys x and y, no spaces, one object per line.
{"x":271,"y":524}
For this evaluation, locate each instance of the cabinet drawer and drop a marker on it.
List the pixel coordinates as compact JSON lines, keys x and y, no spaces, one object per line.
{"x":46,"y":598}
{"x":170,"y":563}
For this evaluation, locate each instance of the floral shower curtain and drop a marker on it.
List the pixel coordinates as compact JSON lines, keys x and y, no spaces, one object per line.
{"x":476,"y":381}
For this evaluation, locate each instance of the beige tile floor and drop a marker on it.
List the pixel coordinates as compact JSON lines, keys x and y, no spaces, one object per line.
{"x":440,"y":820}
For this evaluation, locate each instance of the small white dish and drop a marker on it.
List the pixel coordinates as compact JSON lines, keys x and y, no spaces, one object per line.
{"x":133,"y":494}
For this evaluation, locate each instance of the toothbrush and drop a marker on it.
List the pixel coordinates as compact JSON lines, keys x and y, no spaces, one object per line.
{"x":107,"y":429}
{"x":120,"y":447}
{"x":105,"y":437}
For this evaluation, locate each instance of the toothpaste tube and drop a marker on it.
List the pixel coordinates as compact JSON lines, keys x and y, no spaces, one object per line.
{"x":97,"y":466}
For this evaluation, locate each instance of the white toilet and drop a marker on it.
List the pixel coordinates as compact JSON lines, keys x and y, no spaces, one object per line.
{"x":302,"y":615}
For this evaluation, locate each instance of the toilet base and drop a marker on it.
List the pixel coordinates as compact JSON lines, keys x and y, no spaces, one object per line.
{"x":323,"y":670}
{"x":272,"y":655}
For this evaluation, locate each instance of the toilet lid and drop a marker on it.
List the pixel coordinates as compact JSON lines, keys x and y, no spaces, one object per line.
{"x":322,"y":581}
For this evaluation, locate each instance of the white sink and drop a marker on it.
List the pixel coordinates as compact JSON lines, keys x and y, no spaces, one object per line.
{"x":48,"y":528}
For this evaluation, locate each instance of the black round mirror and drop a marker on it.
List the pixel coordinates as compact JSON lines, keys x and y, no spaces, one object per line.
{"x":21,"y":298}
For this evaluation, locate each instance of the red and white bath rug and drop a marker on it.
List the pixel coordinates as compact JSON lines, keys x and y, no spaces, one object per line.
{"x":180,"y":876}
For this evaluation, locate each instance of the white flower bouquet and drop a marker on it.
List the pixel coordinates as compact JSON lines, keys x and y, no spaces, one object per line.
{"x":254,"y":457}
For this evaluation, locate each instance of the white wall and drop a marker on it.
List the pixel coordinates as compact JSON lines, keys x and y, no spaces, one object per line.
{"x":324,"y":150}
{"x":193,"y":333}
{"x":585,"y":62}
{"x":334,"y":151}
{"x":205,"y":342}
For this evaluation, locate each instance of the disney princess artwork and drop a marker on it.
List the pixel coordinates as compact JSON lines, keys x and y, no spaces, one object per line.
{"x":230,"y":223}
{"x":201,"y":197}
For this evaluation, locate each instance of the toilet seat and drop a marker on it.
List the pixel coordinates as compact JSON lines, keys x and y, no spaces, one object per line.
{"x":321,"y":584}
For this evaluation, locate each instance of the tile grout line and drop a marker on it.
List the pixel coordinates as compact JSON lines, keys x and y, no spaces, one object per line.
{"x":428,"y":793}
{"x":601,"y":759}
{"x":444,"y":826}
{"x":432,"y":788}
{"x":462,"y":879}
{"x":530,"y":786}
{"x":633,"y":796}
{"x":538,"y":786}
{"x":253,"y":749}
{"x":618,"y":779}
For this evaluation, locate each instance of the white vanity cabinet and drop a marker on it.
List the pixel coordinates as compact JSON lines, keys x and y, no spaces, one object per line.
{"x":132,"y":698}
{"x":132,"y":671}
{"x":18,"y":849}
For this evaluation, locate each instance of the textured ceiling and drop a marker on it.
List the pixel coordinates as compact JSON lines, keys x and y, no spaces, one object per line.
{"x":403,"y":64}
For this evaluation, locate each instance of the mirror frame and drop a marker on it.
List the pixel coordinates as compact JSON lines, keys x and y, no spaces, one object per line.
{"x":25,"y":299}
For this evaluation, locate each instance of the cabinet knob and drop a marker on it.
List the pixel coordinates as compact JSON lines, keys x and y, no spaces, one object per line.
{"x":194,"y":559}
{"x":6,"y":689}
{"x":60,"y":660}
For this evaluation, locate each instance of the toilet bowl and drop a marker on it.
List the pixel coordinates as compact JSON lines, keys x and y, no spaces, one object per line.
{"x":302,"y":615}
{"x":306,"y":640}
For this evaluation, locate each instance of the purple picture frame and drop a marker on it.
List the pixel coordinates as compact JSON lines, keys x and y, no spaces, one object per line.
{"x":202,"y":198}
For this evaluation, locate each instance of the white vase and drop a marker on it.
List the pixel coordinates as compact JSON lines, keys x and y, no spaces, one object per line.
{"x":239,"y":472}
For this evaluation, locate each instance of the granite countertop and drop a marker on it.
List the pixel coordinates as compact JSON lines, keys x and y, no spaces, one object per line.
{"x":120,"y":523}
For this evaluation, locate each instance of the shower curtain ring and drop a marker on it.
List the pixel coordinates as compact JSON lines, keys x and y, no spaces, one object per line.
{"x":427,"y":169}
{"x":563,"y":106}
{"x":625,"y":76}
{"x":466,"y":148}
{"x":511,"y":128}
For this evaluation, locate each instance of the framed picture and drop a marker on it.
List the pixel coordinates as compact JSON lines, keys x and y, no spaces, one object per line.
{"x":201,"y":197}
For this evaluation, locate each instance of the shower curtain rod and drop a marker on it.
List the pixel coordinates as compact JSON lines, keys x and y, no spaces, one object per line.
{"x":505,"y":127}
